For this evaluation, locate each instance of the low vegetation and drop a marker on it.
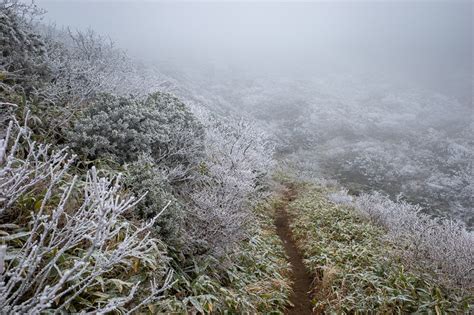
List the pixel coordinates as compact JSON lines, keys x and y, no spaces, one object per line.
{"x":69,"y":246}
{"x":254,"y":280}
{"x":117,"y":196}
{"x":359,"y":268}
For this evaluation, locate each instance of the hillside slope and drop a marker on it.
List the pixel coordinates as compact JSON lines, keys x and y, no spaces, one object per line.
{"x":356,"y":267}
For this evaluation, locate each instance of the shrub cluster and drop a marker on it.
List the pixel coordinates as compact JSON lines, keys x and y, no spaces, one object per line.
{"x":123,"y":129}
{"x":432,"y":243}
{"x":145,"y":178}
{"x":441,"y":245}
{"x":75,"y":240}
{"x":62,"y":238}
{"x":23,"y":55}
{"x":69,"y":247}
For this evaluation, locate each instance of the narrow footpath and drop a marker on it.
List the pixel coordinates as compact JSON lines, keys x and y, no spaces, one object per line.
{"x":302,"y":279}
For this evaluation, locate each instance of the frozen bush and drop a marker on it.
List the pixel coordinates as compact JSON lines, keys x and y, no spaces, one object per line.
{"x":237,"y":158}
{"x":443,"y":246}
{"x":23,"y":54}
{"x":74,"y":236}
{"x":83,"y":64}
{"x":125,"y":128}
{"x":340,"y":197}
{"x":57,"y":72}
{"x":17,"y":176}
{"x":145,"y":178}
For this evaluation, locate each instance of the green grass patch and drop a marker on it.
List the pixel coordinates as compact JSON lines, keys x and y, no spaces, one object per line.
{"x":358,"y":270}
{"x":255,"y":279}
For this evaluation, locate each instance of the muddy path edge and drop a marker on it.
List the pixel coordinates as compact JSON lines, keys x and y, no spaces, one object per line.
{"x":300,"y":275}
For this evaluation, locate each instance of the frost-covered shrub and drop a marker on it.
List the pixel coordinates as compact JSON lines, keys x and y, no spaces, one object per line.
{"x":237,"y":159}
{"x":442,"y":246}
{"x":73,"y":66}
{"x":58,"y":71}
{"x":125,"y":128}
{"x":23,"y":53}
{"x":17,"y":176}
{"x":341,"y":197}
{"x":145,"y":178}
{"x":83,"y":64}
{"x":64,"y":252}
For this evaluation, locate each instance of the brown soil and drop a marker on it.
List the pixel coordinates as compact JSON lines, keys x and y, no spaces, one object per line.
{"x":302,"y":279}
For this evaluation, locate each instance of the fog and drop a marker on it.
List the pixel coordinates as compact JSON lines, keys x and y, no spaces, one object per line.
{"x":375,"y":94}
{"x":428,"y":43}
{"x":251,"y":157}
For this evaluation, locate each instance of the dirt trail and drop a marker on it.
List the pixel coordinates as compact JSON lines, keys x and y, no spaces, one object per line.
{"x":301,"y":277}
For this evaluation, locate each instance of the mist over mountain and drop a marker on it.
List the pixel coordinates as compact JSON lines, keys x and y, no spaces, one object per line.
{"x":422,"y":44}
{"x":236,"y":157}
{"x":325,"y":77}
